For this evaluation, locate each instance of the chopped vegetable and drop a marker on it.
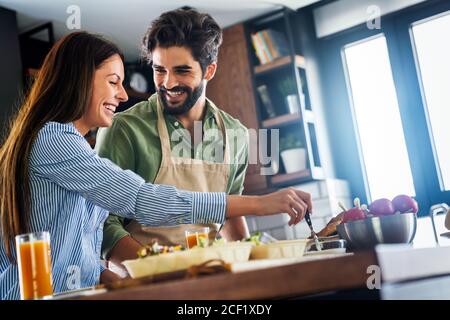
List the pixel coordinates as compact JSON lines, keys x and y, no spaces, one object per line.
{"x":203,"y":242}
{"x":154,"y":248}
{"x":256,"y":238}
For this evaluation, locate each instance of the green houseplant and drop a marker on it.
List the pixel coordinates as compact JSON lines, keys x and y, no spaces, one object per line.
{"x":292,"y":153}
{"x":288,"y":89}
{"x":286,"y":86}
{"x":290,"y":141}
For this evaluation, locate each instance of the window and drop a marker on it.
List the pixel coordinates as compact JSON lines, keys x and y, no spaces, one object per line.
{"x":387,"y":98}
{"x":377,"y":116}
{"x":432,"y":53}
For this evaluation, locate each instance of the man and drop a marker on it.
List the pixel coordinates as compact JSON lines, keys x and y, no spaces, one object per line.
{"x":182,"y":46}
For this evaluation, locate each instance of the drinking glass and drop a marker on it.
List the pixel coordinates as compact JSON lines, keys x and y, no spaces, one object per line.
{"x":33,"y":258}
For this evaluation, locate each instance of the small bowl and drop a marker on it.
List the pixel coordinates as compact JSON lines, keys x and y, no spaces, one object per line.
{"x":367,"y":233}
{"x":328,"y":245}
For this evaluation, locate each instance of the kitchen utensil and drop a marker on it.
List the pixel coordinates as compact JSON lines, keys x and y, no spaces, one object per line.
{"x":313,"y":234}
{"x":367,"y":233}
{"x":341,"y":205}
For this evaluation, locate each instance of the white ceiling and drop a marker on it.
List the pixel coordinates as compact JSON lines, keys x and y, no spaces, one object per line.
{"x":126,"y":21}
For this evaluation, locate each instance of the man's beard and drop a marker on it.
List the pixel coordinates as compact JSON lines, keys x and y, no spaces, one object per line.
{"x":189,"y":102}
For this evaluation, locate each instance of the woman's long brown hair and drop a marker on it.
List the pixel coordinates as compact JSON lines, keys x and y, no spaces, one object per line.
{"x":61,"y":93}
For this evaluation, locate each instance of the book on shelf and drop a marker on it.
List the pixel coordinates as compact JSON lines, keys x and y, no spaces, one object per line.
{"x":266,"y":101}
{"x":261,"y":53}
{"x":269,"y":44}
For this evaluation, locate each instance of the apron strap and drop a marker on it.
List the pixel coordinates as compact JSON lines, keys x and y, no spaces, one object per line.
{"x":221,"y":125}
{"x":163,"y":134}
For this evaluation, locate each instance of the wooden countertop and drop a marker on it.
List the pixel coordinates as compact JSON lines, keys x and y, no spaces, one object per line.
{"x":296,"y":279}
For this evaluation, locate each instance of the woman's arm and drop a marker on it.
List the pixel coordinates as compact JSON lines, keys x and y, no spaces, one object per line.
{"x":291,"y":201}
{"x":62,"y":155}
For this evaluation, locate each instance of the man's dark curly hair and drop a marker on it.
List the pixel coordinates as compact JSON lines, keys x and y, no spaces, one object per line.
{"x":185,"y":28}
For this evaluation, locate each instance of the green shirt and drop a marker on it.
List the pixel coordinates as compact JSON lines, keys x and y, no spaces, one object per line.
{"x":132,"y":142}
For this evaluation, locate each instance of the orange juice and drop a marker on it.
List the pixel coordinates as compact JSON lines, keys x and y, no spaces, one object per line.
{"x":35,"y":269}
{"x":193,"y":239}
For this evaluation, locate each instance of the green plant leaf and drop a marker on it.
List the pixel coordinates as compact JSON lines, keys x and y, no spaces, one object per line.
{"x":290,"y":141}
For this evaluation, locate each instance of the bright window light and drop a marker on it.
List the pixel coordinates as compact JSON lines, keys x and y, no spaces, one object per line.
{"x":378,"y":119}
{"x":432,"y":43}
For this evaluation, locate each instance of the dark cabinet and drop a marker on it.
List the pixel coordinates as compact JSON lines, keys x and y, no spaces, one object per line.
{"x":282,"y":97}
{"x":10,"y":66}
{"x":261,"y":80}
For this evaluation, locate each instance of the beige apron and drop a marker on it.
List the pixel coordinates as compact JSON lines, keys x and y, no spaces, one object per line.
{"x":185,"y":174}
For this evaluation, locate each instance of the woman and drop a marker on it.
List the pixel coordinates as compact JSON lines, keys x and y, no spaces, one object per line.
{"x":50,"y":178}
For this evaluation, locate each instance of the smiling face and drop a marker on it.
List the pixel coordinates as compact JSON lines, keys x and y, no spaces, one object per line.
{"x":107,"y":93}
{"x":179,"y":79}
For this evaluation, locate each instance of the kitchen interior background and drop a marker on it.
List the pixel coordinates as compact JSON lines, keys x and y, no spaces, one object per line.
{"x":358,"y":89}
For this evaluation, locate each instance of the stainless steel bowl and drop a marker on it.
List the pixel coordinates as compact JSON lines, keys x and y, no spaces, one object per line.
{"x":367,"y":233}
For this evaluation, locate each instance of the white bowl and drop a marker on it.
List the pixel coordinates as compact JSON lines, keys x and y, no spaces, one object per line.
{"x":168,"y":262}
{"x":279,"y":249}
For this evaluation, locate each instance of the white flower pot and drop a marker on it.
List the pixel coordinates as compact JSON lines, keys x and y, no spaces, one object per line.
{"x":292,"y":103}
{"x":294,"y":159}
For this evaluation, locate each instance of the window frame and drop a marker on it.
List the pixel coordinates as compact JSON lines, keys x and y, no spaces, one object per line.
{"x":396,"y":27}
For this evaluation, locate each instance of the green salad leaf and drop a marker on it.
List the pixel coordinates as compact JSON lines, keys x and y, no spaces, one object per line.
{"x":256,"y":238}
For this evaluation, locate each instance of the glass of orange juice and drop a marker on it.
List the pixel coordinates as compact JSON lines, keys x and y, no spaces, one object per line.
{"x":33,"y":258}
{"x":194,"y":236}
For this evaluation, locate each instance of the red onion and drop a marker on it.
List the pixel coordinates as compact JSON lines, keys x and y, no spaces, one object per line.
{"x":404,"y":203}
{"x":381,"y":207}
{"x":354,"y":214}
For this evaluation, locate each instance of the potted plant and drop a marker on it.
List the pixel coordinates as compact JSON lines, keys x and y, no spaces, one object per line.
{"x":288,"y":90}
{"x":292,"y":153}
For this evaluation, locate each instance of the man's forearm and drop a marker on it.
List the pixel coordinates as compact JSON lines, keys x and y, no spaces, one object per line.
{"x":125,"y":249}
{"x":235,"y":229}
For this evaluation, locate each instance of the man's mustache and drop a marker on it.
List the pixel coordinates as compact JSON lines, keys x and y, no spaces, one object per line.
{"x":163,"y":89}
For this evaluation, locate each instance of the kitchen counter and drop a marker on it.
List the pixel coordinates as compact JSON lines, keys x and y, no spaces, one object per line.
{"x":309,"y":276}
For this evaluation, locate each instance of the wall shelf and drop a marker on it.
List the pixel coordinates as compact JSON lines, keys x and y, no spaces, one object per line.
{"x":290,"y":178}
{"x":281,"y":120}
{"x":275,"y":82}
{"x":279,"y":63}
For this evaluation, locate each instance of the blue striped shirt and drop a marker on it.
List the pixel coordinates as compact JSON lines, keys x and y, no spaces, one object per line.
{"x":72,"y":191}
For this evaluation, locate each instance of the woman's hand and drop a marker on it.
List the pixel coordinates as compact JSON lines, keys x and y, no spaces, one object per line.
{"x":291,"y":201}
